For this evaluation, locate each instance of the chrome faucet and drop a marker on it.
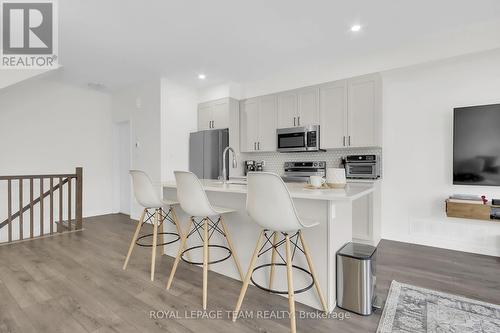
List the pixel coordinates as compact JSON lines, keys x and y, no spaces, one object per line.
{"x":235,"y":164}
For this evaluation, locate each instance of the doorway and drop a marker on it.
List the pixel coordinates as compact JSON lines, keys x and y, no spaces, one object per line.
{"x":122,"y":177}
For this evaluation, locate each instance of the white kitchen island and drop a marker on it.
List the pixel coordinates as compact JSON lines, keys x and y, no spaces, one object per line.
{"x":333,"y":208}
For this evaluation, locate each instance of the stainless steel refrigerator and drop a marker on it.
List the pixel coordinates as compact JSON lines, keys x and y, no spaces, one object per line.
{"x":205,"y":153}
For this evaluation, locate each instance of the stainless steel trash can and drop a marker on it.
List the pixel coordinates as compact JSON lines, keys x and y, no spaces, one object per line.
{"x":356,"y":278}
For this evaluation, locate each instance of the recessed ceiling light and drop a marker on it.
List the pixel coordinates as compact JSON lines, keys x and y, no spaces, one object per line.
{"x":356,"y":28}
{"x":202,"y":76}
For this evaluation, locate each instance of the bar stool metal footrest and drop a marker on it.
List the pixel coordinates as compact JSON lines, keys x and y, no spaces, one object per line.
{"x":230,"y":253}
{"x":213,"y":226}
{"x":163,"y":217}
{"x":282,"y":292}
{"x":160,"y":233}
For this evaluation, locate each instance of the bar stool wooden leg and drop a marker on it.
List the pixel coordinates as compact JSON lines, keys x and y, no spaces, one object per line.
{"x":311,"y":268}
{"x":179,"y":253}
{"x":179,"y":229}
{"x":134,"y":239}
{"x":273,"y":255}
{"x":160,"y":235}
{"x":155,"y":242}
{"x":247,"y":277}
{"x":291,"y":300}
{"x":231,"y":247}
{"x":205,"y":263}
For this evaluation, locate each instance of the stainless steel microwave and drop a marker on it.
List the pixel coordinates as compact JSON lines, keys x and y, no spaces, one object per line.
{"x":297,"y":139}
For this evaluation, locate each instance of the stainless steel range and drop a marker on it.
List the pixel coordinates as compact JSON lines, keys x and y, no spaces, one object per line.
{"x":300,"y":171}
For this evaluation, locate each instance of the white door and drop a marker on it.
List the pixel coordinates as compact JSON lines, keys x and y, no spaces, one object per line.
{"x":308,"y":101}
{"x":363,"y":101}
{"x":220,"y":114}
{"x":287,"y":110}
{"x":124,"y":185}
{"x":333,"y":114}
{"x":249,"y":124}
{"x":267,"y":123}
{"x":204,"y":116}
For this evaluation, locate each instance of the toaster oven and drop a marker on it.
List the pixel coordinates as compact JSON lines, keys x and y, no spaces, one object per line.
{"x":362,"y":166}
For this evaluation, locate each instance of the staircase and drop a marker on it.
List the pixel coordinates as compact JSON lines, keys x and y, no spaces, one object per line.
{"x":41,"y":205}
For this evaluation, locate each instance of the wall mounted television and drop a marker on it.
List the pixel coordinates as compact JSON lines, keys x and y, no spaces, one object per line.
{"x":476,"y":145}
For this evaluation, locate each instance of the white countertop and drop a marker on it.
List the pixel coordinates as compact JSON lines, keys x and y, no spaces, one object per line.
{"x":352,"y":191}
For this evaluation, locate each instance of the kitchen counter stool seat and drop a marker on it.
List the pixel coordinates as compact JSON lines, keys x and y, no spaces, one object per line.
{"x":206,"y":220}
{"x":270,"y":205}
{"x":147,"y":197}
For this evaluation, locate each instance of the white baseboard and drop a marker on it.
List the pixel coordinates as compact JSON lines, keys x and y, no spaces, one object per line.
{"x":443,"y":243}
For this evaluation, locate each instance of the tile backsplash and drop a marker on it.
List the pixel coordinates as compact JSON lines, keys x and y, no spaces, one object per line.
{"x":274,"y":161}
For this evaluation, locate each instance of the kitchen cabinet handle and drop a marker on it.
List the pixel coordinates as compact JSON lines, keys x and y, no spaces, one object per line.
{"x":213,"y":124}
{"x":349,"y":140}
{"x":298,"y":120}
{"x":294,"y":121}
{"x":343,"y":138}
{"x":255,"y":146}
{"x":258,"y":145}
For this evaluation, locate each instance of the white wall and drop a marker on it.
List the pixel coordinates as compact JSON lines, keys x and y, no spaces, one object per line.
{"x":141,"y":104}
{"x":417,"y":144}
{"x":179,"y":118}
{"x":229,"y":89}
{"x":50,"y":127}
{"x":9,"y":77}
{"x":161,"y":113}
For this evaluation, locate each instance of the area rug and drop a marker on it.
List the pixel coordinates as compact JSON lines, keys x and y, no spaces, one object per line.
{"x":413,"y":309}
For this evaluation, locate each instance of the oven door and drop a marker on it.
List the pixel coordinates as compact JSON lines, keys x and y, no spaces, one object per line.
{"x":361,"y":170}
{"x":291,"y":139}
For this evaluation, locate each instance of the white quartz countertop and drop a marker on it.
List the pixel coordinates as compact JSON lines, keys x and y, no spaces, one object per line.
{"x":352,"y":191}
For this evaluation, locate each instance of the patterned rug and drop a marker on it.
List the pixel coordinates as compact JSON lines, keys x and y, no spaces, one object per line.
{"x":413,"y":309}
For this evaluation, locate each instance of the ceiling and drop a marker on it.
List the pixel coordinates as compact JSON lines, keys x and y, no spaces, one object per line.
{"x":117,"y":42}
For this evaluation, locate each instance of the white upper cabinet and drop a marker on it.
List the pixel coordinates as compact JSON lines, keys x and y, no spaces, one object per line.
{"x":220,"y":114}
{"x":214,"y":114}
{"x":267,"y":123}
{"x":333,"y":114}
{"x":204,"y":116}
{"x":258,"y":124}
{"x":364,"y":111}
{"x":287,"y":110}
{"x":308,"y":110}
{"x":298,"y":107}
{"x":350,"y":112}
{"x":249,"y":115}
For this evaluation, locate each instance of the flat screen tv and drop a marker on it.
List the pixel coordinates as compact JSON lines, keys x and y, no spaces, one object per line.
{"x":476,"y":145}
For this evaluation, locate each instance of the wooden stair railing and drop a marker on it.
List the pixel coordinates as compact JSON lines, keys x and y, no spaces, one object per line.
{"x":61,"y":225}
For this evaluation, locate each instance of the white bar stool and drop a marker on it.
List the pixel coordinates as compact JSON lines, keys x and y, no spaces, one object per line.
{"x":270,"y":205}
{"x":195,"y":203}
{"x":147,"y":197}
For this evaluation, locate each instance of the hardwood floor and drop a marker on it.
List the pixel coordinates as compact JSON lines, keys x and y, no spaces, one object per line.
{"x":75,"y":283}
